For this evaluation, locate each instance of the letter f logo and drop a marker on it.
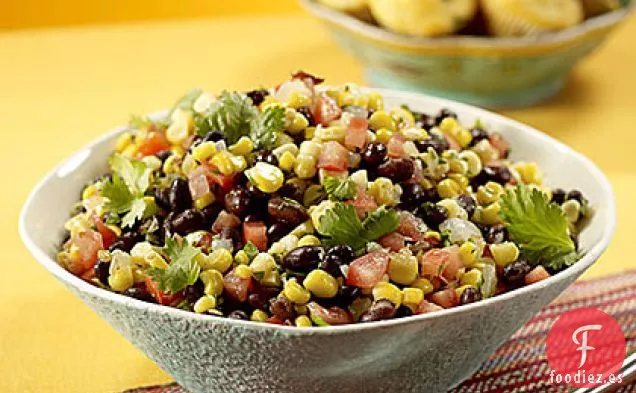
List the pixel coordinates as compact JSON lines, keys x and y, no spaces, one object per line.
{"x":583,"y":343}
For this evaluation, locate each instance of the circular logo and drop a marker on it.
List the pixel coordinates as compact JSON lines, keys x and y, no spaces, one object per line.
{"x":585,"y":348}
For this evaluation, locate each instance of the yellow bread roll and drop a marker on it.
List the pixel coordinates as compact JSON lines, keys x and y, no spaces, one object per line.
{"x":528,"y":17}
{"x":423,"y":17}
{"x":597,"y":7}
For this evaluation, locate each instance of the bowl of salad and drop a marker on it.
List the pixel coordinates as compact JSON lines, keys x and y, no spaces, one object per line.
{"x":317,"y":238}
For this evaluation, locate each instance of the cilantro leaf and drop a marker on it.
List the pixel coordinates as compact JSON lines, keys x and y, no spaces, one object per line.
{"x":340,"y":189}
{"x":119,"y":196}
{"x":342,"y":226}
{"x":134,"y":173}
{"x":136,"y":212}
{"x":265,"y":127}
{"x":250,"y":250}
{"x":232,"y":113}
{"x":538,"y":226}
{"x":183,"y":270}
{"x":143,"y":122}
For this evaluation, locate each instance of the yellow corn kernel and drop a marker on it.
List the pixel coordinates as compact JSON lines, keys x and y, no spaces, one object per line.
{"x":239,"y":162}
{"x":303,"y":321}
{"x":115,"y":229}
{"x":457,"y":166}
{"x":259,"y":316}
{"x":296,"y":99}
{"x":381,"y":119}
{"x":425,"y":285}
{"x":243,"y":271}
{"x":301,"y":309}
{"x":376,"y":102}
{"x":220,"y":259}
{"x":203,"y":102}
{"x":204,"y":151}
{"x":296,"y":293}
{"x":333,"y":133}
{"x":572,"y":210}
{"x":241,"y":258}
{"x":453,"y":209}
{"x":308,"y":240}
{"x":310,"y":148}
{"x":305,"y":167}
{"x":448,"y":188}
{"x":306,"y":228}
{"x":403,"y":268}
{"x":171,"y":165}
{"x":123,"y":141}
{"x":271,"y":279}
{"x":414,"y":134}
{"x":403,"y":117}
{"x":266,"y":177}
{"x":488,"y":215}
{"x":412,"y":296}
{"x":121,"y":279}
{"x":310,"y":132}
{"x":473,"y":277}
{"x":88,"y":192}
{"x":504,"y":253}
{"x":489,"y":193}
{"x":130,"y":151}
{"x":321,"y":284}
{"x":287,"y":147}
{"x":468,"y":253}
{"x":223,"y":162}
{"x":188,"y":165}
{"x":529,"y":172}
{"x":473,"y":162}
{"x":383,"y":135}
{"x":269,"y":101}
{"x":204,"y":200}
{"x":177,"y":151}
{"x":287,"y":161}
{"x":179,"y":129}
{"x":361,"y":101}
{"x":204,"y":304}
{"x":212,"y":282}
{"x":382,"y":190}
{"x":459,"y":179}
{"x":460,"y":290}
{"x":294,"y":121}
{"x":263,"y":263}
{"x":448,"y":124}
{"x":388,"y":291}
{"x":152,"y":162}
{"x":242,"y":147}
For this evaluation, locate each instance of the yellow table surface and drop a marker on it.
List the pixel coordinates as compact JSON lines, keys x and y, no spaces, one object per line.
{"x":60,"y":88}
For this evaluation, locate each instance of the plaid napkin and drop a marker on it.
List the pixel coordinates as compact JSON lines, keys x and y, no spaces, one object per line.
{"x":520,"y":364}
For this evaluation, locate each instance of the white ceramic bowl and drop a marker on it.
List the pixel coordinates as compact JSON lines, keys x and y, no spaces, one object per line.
{"x":425,"y":353}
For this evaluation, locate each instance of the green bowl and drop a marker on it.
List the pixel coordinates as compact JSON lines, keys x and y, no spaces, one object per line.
{"x":485,"y":71}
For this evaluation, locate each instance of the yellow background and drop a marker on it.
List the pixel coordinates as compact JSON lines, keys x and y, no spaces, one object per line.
{"x":61,"y":87}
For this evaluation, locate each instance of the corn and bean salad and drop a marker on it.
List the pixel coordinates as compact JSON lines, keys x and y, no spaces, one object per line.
{"x":314,"y":205}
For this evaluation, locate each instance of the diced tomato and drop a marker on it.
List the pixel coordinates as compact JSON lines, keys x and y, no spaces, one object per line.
{"x":225,"y":183}
{"x":108,"y":235}
{"x":255,"y":232}
{"x":356,"y":136}
{"x":333,"y":157}
{"x":364,"y":203}
{"x":88,"y":242}
{"x":446,"y":298}
{"x":154,"y":143}
{"x":393,"y":241}
{"x":274,"y":320}
{"x":368,"y":270}
{"x":537,"y":274}
{"x":236,"y":287}
{"x":426,"y":307}
{"x":411,"y":226}
{"x":332,"y":316}
{"x":441,"y":262}
{"x":500,"y":144}
{"x":303,"y":76}
{"x":160,"y":296}
{"x":395,"y":146}
{"x":452,"y":143}
{"x":325,"y":109}
{"x":88,"y":275}
{"x":225,"y":220}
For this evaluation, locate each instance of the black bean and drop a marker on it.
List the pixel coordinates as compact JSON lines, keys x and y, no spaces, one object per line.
{"x":163,"y":155}
{"x":478,"y":135}
{"x":286,"y":210}
{"x":210,"y":213}
{"x":331,"y":264}
{"x":194,"y":292}
{"x":516,"y":272}
{"x":214,"y":136}
{"x":102,"y":271}
{"x":277,"y":230}
{"x":380,"y":310}
{"x":238,"y":202}
{"x":282,"y":308}
{"x":348,"y":293}
{"x":255,"y":192}
{"x":397,"y":169}
{"x":306,"y":111}
{"x":162,"y":198}
{"x":443,"y":114}
{"x":425,"y":121}
{"x":238,"y":314}
{"x":374,"y":154}
{"x":496,"y":234}
{"x":470,"y":295}
{"x":467,"y":203}
{"x":139,"y":293}
{"x":294,"y":189}
{"x":433,"y":214}
{"x":257,"y":96}
{"x":558,"y":196}
{"x":180,"y":198}
{"x":575,"y":240}
{"x":437,"y":143}
{"x":413,"y":195}
{"x":498,"y":174}
{"x":187,"y":221}
{"x":125,"y":242}
{"x":576,"y":195}
{"x":403,"y":311}
{"x":258,"y":301}
{"x":303,"y":258}
{"x":344,"y":251}
{"x":266,"y":156}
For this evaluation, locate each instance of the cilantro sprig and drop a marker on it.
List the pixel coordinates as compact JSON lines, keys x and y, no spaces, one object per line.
{"x":538,"y":226}
{"x":125,"y":192}
{"x":183,"y":270}
{"x":341,"y":225}
{"x":339,"y":189}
